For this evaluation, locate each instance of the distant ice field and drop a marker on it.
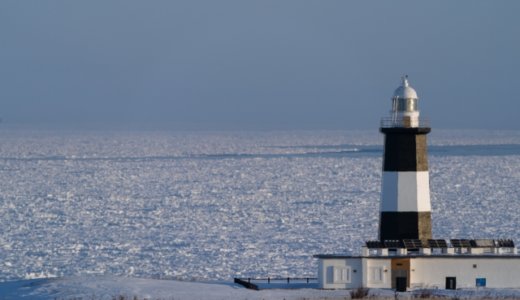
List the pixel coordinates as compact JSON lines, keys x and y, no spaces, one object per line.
{"x":214,"y":205}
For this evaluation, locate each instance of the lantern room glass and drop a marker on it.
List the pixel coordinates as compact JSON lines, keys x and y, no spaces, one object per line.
{"x":407,"y":104}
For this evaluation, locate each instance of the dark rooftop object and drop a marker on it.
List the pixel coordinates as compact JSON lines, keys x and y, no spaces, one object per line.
{"x":375,"y":245}
{"x":416,"y":244}
{"x":437,"y":243}
{"x":460,"y":243}
{"x":505,"y":243}
{"x":412,"y":243}
{"x":394,"y":244}
{"x":482,"y":243}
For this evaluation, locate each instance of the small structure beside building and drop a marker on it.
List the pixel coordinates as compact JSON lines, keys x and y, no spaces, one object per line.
{"x":406,"y":256}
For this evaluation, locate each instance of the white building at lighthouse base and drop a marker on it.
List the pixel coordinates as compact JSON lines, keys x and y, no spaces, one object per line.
{"x":407,"y":269}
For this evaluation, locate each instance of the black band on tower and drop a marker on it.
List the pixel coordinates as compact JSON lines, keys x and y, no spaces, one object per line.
{"x":405,"y":225}
{"x":405,"y":149}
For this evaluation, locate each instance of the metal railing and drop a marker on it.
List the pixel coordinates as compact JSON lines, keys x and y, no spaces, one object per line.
{"x":390,"y":122}
{"x":253,"y":283}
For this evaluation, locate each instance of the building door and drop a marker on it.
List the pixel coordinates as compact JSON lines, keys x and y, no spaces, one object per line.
{"x":400,"y":269}
{"x":400,"y":284}
{"x":451,"y":283}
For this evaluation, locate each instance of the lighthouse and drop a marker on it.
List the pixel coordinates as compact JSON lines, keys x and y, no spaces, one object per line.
{"x":405,"y":191}
{"x":405,"y":256}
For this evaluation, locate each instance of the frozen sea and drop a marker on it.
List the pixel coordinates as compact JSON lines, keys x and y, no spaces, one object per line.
{"x":215,"y":205}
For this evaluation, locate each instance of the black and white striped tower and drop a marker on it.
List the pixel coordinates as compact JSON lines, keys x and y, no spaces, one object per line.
{"x":405,"y":191}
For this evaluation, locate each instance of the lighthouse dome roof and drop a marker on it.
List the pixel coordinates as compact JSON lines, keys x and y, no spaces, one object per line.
{"x":405,"y":90}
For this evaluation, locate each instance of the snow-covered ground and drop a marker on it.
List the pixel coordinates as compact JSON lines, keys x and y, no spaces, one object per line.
{"x":212,"y":206}
{"x":109,"y":288}
{"x":105,"y":287}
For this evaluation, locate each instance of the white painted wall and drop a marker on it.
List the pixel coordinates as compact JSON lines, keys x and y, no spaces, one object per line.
{"x":329,"y":269}
{"x":377,"y":273}
{"x":406,"y":191}
{"x":429,"y":272}
{"x":432,"y":272}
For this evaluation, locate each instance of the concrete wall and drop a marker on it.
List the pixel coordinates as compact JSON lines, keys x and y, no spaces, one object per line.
{"x":432,"y":272}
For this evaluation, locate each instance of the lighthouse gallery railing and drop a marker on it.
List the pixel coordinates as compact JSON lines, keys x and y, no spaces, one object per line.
{"x":401,"y":122}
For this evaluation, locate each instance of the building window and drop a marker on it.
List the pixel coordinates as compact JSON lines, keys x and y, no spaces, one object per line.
{"x":376,"y":275}
{"x":481,"y":282}
{"x":341,"y":275}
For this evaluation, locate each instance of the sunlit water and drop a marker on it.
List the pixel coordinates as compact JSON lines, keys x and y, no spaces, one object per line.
{"x":215,"y":205}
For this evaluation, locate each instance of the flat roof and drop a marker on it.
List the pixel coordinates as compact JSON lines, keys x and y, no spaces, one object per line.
{"x":450,"y":256}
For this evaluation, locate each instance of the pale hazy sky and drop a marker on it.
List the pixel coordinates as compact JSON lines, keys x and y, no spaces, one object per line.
{"x":283,"y":64}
